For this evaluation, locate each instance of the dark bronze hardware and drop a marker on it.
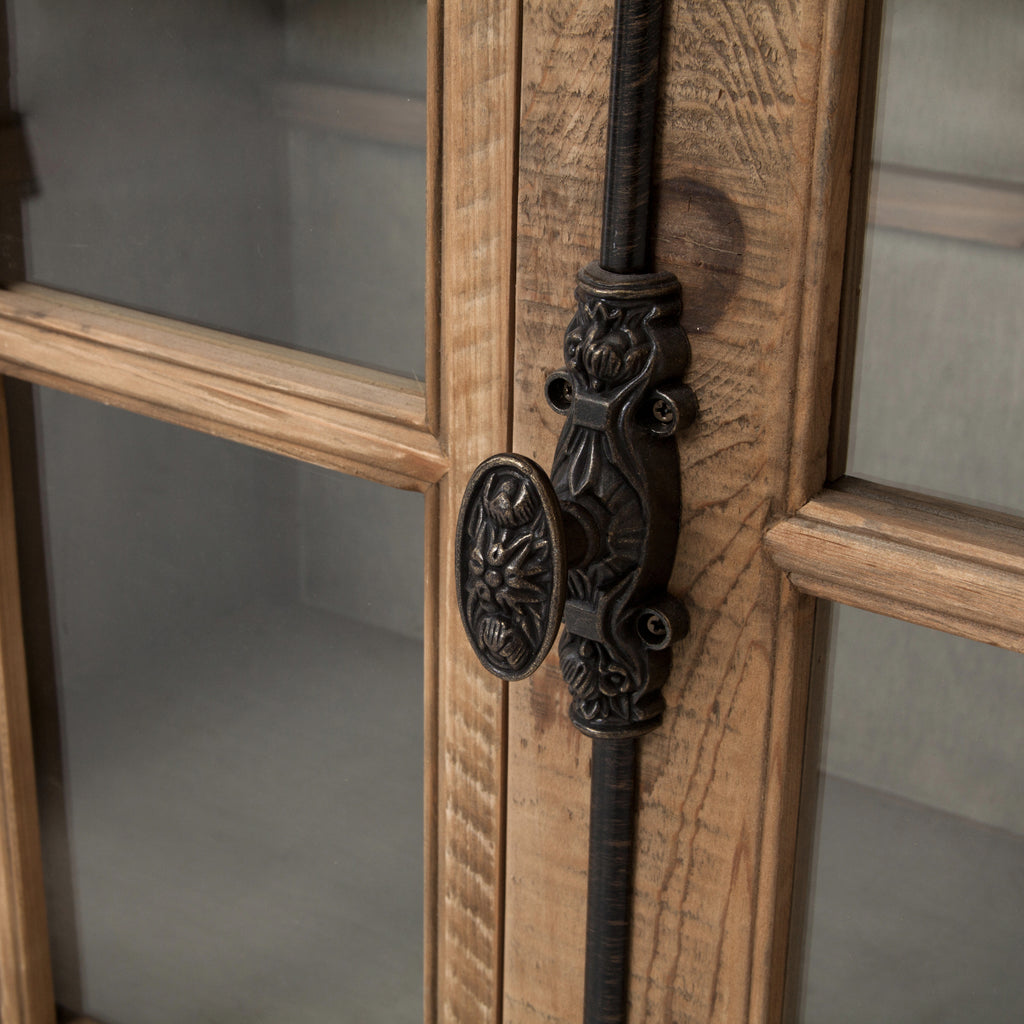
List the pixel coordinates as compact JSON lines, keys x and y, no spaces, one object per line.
{"x":510,"y":565}
{"x":616,"y":463}
{"x":594,"y":545}
{"x":605,"y":530}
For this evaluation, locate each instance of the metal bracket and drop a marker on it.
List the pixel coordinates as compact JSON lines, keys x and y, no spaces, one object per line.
{"x":616,"y":466}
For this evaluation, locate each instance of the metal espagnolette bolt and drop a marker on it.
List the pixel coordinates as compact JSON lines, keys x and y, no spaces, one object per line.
{"x":594,"y":544}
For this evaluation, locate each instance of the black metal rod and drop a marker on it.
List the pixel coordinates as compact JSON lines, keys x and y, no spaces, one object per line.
{"x":629,"y":166}
{"x":610,"y":879}
{"x":632,"y":108}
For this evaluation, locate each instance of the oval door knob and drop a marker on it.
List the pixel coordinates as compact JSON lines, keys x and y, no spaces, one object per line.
{"x":595,"y":543}
{"x":510,"y":565}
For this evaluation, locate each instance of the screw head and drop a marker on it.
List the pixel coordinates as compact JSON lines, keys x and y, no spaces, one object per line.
{"x":559,"y":392}
{"x":663,"y":411}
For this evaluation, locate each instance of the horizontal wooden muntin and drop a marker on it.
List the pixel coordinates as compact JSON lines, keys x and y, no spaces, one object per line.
{"x":925,"y":560}
{"x":363,"y":421}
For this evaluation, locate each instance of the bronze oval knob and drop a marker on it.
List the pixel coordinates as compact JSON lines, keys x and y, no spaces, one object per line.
{"x":510,"y":565}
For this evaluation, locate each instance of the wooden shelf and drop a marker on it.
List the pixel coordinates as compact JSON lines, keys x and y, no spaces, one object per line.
{"x":972,"y":209}
{"x":367,"y":114}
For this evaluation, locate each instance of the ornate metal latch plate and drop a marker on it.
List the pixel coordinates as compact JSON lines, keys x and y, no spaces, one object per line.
{"x":599,"y":538}
{"x":616,"y":470}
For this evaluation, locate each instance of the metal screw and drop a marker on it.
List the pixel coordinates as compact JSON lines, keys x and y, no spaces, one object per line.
{"x":663,"y":411}
{"x":654,"y":629}
{"x":656,"y":626}
{"x":559,"y":392}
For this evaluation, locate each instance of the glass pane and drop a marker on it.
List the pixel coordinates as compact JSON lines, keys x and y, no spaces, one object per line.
{"x":230,"y":738}
{"x":256,"y":167}
{"x":917,"y":897}
{"x":939,"y":387}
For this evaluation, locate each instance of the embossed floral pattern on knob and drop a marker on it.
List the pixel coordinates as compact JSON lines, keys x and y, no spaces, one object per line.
{"x":510,"y":569}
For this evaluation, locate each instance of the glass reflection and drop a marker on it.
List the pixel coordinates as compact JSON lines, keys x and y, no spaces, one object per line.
{"x":939,"y":386}
{"x":230,"y":742}
{"x":256,"y":167}
{"x":917,"y":884}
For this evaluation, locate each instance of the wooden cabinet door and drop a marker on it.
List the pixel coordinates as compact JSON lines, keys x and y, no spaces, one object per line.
{"x":757,"y":217}
{"x":758,"y":103}
{"x":757,"y":116}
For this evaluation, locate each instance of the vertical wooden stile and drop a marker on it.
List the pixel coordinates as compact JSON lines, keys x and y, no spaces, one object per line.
{"x":751,"y":193}
{"x":26,"y":985}
{"x":480,"y":128}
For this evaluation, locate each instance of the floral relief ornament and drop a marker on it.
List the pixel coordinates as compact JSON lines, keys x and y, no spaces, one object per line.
{"x":625,"y":353}
{"x":508,"y":583}
{"x":606,"y":344}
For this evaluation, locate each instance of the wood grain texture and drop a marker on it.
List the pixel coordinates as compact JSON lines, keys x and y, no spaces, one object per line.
{"x":932,"y":562}
{"x":362,"y":421}
{"x":479,"y":125}
{"x":26,"y":985}
{"x":431,"y":753}
{"x":752,"y":191}
{"x":435,"y":209}
{"x":433,"y":527}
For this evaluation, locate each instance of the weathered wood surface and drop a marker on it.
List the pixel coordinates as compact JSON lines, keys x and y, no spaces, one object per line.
{"x":856,"y":231}
{"x":432,"y":524}
{"x":480,"y":115}
{"x":923,"y":560}
{"x":753,"y":182}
